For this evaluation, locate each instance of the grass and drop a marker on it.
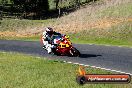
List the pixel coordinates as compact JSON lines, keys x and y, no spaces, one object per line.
{"x":118,"y":33}
{"x":123,"y":10}
{"x":21,"y":25}
{"x":25,"y":71}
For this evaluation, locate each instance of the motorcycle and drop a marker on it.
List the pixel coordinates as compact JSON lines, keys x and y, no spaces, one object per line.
{"x":63,"y":46}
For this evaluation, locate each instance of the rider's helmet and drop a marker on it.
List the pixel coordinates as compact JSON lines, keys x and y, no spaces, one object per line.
{"x":49,"y":30}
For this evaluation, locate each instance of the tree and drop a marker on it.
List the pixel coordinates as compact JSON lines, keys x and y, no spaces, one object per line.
{"x":57,"y":3}
{"x":38,"y":7}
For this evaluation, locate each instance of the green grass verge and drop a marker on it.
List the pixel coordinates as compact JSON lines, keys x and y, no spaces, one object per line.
{"x":24,"y":71}
{"x":120,"y":34}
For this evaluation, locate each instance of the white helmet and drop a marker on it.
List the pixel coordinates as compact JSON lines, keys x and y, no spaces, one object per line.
{"x":49,"y":30}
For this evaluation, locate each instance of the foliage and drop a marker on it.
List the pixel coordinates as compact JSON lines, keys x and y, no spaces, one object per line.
{"x":25,"y":71}
{"x":37,"y":8}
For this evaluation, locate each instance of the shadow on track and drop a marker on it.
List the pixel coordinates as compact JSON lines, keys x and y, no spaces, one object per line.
{"x":88,"y":55}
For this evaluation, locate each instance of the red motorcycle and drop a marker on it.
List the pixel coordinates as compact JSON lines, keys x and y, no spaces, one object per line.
{"x":63,"y":46}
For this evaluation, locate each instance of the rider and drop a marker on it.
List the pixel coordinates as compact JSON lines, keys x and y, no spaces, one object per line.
{"x":47,"y":38}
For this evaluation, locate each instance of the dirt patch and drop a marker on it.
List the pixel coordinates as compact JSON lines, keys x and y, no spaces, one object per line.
{"x":69,"y":27}
{"x":99,"y":24}
{"x":17,"y":34}
{"x":83,"y":19}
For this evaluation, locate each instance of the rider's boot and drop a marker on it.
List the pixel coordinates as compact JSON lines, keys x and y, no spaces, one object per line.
{"x":49,"y":50}
{"x":44,"y":47}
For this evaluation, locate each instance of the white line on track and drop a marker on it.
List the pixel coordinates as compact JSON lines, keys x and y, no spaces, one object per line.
{"x":38,"y":57}
{"x":109,"y":45}
{"x":98,"y":67}
{"x":3,"y":52}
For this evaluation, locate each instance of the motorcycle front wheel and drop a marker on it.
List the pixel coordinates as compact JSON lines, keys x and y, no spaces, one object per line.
{"x":74,"y":52}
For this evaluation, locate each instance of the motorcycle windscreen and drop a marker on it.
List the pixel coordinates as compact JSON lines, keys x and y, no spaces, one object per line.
{"x":56,"y":39}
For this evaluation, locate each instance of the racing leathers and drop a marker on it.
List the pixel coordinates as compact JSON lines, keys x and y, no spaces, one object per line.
{"x":47,"y":41}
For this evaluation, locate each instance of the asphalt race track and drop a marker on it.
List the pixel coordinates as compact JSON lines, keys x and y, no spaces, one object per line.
{"x":115,"y":58}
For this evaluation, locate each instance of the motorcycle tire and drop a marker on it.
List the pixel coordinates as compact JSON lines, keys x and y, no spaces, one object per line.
{"x":74,"y":52}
